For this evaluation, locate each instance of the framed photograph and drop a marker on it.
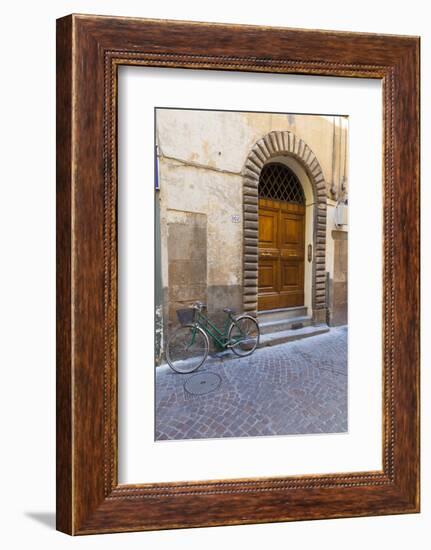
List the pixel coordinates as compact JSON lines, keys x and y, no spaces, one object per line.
{"x":237,"y":274}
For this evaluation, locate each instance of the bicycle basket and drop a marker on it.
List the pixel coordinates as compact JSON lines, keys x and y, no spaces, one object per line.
{"x":186,"y":316}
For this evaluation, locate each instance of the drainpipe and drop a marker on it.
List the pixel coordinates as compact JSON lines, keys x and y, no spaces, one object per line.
{"x":158,"y":291}
{"x":333,"y":188}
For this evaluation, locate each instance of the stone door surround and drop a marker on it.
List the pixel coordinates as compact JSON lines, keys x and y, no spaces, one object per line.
{"x":276,"y":144}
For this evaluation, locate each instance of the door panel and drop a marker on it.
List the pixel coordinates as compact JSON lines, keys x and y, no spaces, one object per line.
{"x":268,"y":228}
{"x":290,"y":275}
{"x":291,"y":229}
{"x":268,"y":275}
{"x":281,"y":254}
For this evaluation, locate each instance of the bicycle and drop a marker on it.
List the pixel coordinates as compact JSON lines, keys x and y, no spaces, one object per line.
{"x":188,"y":346}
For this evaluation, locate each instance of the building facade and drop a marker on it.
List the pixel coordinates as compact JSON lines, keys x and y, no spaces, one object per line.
{"x":252,"y":215}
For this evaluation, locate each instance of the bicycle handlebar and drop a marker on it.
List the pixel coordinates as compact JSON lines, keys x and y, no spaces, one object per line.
{"x":199,"y":305}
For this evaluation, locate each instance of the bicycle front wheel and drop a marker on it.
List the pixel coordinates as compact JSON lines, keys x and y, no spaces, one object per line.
{"x":187,"y":349}
{"x":244,"y":335}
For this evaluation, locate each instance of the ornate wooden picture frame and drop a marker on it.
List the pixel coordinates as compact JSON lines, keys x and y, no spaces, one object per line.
{"x":89,"y":51}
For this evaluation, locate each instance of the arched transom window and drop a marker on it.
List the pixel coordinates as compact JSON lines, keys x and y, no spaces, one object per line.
{"x":279,"y":182}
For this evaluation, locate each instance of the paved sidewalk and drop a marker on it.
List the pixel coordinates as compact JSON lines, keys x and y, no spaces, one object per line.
{"x":294,"y":388}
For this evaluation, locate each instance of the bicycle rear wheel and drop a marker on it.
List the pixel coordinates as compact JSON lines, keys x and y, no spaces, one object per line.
{"x":187,"y":349}
{"x":244,"y":335}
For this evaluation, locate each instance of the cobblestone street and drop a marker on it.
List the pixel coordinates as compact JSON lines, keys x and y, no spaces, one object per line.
{"x":294,"y":388}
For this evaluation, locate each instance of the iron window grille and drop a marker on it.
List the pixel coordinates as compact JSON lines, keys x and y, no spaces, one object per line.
{"x":278,"y":182}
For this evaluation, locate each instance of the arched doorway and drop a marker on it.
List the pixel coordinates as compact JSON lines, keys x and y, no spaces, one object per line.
{"x":281,"y":238}
{"x":287,"y":149}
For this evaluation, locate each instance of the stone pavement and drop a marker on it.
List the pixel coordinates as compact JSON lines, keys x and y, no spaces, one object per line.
{"x":294,"y":388}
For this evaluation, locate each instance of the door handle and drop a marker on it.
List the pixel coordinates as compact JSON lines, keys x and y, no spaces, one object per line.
{"x":310,"y":253}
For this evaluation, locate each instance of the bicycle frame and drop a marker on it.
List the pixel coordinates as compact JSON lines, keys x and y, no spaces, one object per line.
{"x":218,"y":337}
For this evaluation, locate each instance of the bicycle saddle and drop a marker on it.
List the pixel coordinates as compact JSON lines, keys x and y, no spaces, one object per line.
{"x":228,"y":310}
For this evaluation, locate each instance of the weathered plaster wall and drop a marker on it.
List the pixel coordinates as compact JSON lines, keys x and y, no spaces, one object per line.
{"x":338,"y":306}
{"x":186,"y":192}
{"x":221,"y":140}
{"x":187,"y":259}
{"x":337,"y":268}
{"x":201,"y":157}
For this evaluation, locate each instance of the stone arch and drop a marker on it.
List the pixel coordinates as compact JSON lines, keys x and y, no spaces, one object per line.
{"x":276,"y":144}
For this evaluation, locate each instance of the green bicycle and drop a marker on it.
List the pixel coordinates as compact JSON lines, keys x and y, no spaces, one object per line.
{"x":188,"y":346}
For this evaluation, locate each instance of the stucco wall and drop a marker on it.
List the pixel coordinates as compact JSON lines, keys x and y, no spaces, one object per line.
{"x":201,"y":155}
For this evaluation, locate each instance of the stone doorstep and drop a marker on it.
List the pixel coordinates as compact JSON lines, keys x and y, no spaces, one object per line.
{"x":280,"y":320}
{"x":267,"y":327}
{"x":281,"y":337}
{"x":281,"y":314}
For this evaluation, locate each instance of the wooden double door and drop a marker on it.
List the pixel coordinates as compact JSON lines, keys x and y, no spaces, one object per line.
{"x":281,"y":254}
